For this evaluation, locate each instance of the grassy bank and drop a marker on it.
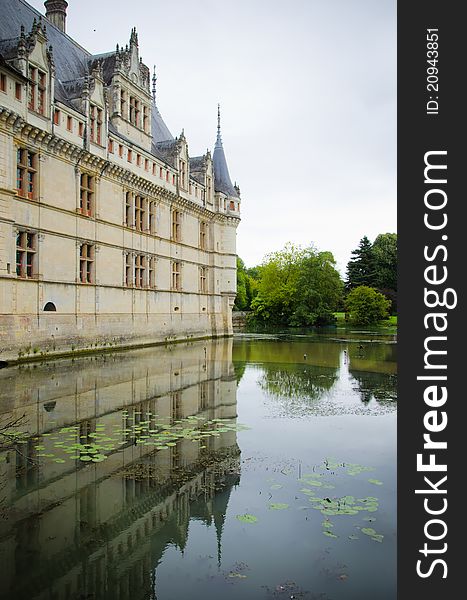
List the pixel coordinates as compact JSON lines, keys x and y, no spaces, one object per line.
{"x":390,"y":322}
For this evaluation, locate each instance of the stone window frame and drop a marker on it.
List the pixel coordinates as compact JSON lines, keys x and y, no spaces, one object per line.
{"x":26,"y":254}
{"x":27,"y":172}
{"x":95,"y":124}
{"x":87,"y":194}
{"x":37,"y":89}
{"x":203,"y":279}
{"x":176,"y":225}
{"x":176,"y":273}
{"x":87,"y":255}
{"x":203,"y":235}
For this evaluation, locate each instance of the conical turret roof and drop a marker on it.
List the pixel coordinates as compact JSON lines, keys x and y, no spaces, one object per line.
{"x":222,"y":181}
{"x":160,"y":131}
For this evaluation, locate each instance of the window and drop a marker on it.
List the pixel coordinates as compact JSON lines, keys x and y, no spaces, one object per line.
{"x":56,"y":117}
{"x":152,"y":217}
{"x":111,"y":146}
{"x":202,"y":279}
{"x":173,"y":179}
{"x":32,"y":88}
{"x":120,"y":150}
{"x":203,"y":229}
{"x":134,"y":111}
{"x":26,"y":173}
{"x":2,"y":82}
{"x":167,"y":175}
{"x":140,"y":268}
{"x":123,"y":104}
{"x":69,"y":123}
{"x":129,"y":157}
{"x":232,"y":205}
{"x":138,"y":160}
{"x":36,"y":100}
{"x":41,"y":93}
{"x":160,"y":172}
{"x":26,"y":254}
{"x":176,"y":276}
{"x":18,"y":93}
{"x":152,"y":272}
{"x":86,"y":263}
{"x":81,"y":129}
{"x":86,"y":199}
{"x":95,"y":124}
{"x":129,"y":209}
{"x":182,"y":174}
{"x":176,"y":225}
{"x":128,"y":269}
{"x":146,"y":164}
{"x":145,"y":119}
{"x":140,"y":213}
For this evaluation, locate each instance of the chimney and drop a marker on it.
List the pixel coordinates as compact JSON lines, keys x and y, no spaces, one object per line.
{"x":55,"y":11}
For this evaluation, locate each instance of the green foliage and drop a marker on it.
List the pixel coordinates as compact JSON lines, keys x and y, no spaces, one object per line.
{"x":297,"y":287}
{"x":385,"y":255}
{"x":375,"y":265}
{"x":366,"y":305}
{"x":247,"y":286}
{"x":361,"y":269}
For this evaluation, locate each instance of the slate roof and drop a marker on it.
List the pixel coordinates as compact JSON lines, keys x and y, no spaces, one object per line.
{"x":160,"y":131}
{"x":222,"y":181}
{"x":70,"y":58}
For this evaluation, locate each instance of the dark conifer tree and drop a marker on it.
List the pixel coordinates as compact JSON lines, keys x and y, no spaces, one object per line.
{"x":361,"y":268}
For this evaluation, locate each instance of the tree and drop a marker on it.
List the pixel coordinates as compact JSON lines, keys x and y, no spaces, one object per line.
{"x":247,"y":286}
{"x":241,"y":300}
{"x":385,"y":256}
{"x":366,"y":306}
{"x":297,"y":287}
{"x":361,"y":269}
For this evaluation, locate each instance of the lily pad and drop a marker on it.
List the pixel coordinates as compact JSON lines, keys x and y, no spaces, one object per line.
{"x":368,"y":531}
{"x":329,"y":534}
{"x":278,"y":505}
{"x":375,"y":481}
{"x":246,"y":518}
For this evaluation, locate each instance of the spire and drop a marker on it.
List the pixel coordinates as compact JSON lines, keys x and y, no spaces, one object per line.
{"x":222,"y":181}
{"x":154,"y":80}
{"x":219,"y":138}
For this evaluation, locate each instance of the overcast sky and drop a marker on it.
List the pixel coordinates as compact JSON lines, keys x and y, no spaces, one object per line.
{"x":308,"y":98}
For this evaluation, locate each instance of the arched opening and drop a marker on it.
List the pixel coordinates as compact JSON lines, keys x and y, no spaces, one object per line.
{"x":50,"y":307}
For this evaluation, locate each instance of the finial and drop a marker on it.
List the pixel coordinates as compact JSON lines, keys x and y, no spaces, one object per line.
{"x":219,"y":139}
{"x":154,"y":79}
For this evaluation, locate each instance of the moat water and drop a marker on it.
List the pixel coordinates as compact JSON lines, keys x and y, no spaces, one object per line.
{"x":260,"y":467}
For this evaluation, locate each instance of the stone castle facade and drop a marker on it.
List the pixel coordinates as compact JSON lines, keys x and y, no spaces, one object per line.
{"x":111,"y":234}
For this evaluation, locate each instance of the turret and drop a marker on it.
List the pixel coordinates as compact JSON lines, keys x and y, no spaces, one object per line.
{"x":55,"y":11}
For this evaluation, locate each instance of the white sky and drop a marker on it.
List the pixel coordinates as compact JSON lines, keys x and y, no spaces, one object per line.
{"x":308,"y":98}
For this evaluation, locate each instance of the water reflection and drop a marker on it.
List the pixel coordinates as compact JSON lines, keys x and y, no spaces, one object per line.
{"x":78,"y":530}
{"x":322,"y":377}
{"x":129,"y":481}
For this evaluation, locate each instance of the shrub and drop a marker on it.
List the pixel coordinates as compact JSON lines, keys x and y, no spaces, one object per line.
{"x":366,"y":306}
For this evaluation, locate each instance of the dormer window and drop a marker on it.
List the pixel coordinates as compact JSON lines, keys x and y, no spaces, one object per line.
{"x":134,"y":111}
{"x":95,"y":124}
{"x":123,"y":104}
{"x":37,"y":89}
{"x":183,"y":174}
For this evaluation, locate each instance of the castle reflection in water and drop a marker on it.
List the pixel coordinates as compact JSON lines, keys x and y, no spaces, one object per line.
{"x":78,"y":530}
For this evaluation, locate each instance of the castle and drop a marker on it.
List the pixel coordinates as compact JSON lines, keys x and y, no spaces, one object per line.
{"x":111,"y":234}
